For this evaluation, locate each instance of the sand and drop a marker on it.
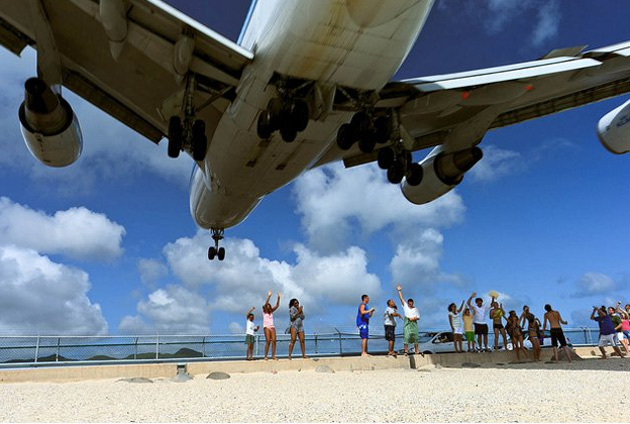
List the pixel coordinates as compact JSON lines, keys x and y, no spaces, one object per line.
{"x":588,"y":390}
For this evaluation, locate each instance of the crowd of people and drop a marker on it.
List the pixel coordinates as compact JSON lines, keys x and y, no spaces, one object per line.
{"x":469,"y":320}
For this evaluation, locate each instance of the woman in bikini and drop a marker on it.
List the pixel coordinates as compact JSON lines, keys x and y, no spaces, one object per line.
{"x":533,"y":324}
{"x":498,"y":314}
{"x":268,"y":326}
{"x":296,"y":316}
{"x":516,"y":335}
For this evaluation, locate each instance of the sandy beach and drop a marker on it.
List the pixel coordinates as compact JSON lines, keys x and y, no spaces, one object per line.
{"x":587,"y":390}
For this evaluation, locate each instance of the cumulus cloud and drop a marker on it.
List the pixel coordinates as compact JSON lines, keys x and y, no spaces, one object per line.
{"x":547,"y":22}
{"x":594,"y":283}
{"x":151,"y":270}
{"x":236,"y":328}
{"x":417,"y":263}
{"x":38,"y":295}
{"x":172,"y":310}
{"x":496,"y":163}
{"x":77,"y":233}
{"x":332,"y":198}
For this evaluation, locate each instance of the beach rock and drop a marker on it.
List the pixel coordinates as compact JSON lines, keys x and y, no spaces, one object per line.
{"x":140,"y":380}
{"x":218,"y":375}
{"x":470,"y":365}
{"x":324,"y":369}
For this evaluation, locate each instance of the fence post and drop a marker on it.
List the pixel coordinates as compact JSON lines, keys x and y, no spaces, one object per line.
{"x":316,"y":350}
{"x":203,"y":347}
{"x":135,"y":351}
{"x":57,"y":353}
{"x":37,"y":349}
{"x":157,"y":346}
{"x":340,"y":342}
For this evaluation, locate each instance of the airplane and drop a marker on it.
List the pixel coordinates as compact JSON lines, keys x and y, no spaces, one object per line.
{"x":308,"y":83}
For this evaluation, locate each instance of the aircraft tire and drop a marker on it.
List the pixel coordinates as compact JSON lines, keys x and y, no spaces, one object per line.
{"x":263,"y":128}
{"x":396,"y":172}
{"x":199,"y":140}
{"x":175,"y":136}
{"x":221,"y":253}
{"x":367,"y":144}
{"x":212,"y":252}
{"x":288,"y":132}
{"x":345,"y":137}
{"x":382,"y":133}
{"x":275,"y":110}
{"x":299,"y":114}
{"x":385,"y":158}
{"x":414,"y":174}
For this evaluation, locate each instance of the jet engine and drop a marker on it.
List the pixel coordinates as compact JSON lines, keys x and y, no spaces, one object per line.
{"x":614,"y":129}
{"x":49,"y":126}
{"x":442,"y":172}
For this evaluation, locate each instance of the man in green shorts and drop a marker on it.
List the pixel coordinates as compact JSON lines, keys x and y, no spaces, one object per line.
{"x":412,"y":316}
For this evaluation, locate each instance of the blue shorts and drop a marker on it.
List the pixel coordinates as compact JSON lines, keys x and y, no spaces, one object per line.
{"x":363,"y":331}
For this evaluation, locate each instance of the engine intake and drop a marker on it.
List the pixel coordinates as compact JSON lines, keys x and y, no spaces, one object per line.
{"x":613,"y":129}
{"x":50,"y":128}
{"x":442,"y":172}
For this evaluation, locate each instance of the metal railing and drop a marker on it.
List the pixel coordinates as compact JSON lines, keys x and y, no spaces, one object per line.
{"x":46,"y":350}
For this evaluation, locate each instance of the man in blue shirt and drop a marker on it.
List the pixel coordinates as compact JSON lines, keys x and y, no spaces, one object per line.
{"x":363,"y":321}
{"x":606,"y":331}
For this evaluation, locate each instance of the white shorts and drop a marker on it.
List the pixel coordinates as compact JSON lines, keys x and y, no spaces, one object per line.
{"x":608,"y":339}
{"x":458,"y":331}
{"x":620,"y":335}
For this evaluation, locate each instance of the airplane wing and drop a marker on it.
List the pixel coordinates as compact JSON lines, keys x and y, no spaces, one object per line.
{"x":132,"y":57}
{"x":456,"y":110}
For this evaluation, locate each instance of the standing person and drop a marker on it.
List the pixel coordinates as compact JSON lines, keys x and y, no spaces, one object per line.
{"x":557,"y":335}
{"x":296,"y":316}
{"x":268,"y":326}
{"x":616,"y":319}
{"x":468,"y":329}
{"x":606,"y":331}
{"x":624,"y":327}
{"x":455,"y":321}
{"x":250,"y":331}
{"x":516,"y":334}
{"x":412,"y":316}
{"x":532,"y":330}
{"x":479,"y":320}
{"x":497,"y":314}
{"x":363,"y":322}
{"x":389,"y":321}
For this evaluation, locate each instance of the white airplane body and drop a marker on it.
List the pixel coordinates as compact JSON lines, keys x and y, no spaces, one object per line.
{"x":309,"y":84}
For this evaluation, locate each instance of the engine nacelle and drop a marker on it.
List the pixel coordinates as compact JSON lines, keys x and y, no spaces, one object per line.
{"x":614,"y":129}
{"x":49,"y":126}
{"x":442,"y":172}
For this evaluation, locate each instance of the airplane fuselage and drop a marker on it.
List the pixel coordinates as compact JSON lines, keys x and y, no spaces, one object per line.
{"x":336,"y":43}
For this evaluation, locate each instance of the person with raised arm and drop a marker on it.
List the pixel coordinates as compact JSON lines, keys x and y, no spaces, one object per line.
{"x":557,"y":335}
{"x":363,"y":322}
{"x":497,"y":314}
{"x":268,"y":326}
{"x":296,"y":316}
{"x":606,"y":331}
{"x":623,"y":329}
{"x":479,"y":320}
{"x":533,"y":325}
{"x":389,"y":322}
{"x":455,"y":321}
{"x":250,"y":331}
{"x":412,"y":316}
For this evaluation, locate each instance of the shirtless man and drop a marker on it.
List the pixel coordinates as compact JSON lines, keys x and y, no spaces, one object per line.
{"x":557,"y":335}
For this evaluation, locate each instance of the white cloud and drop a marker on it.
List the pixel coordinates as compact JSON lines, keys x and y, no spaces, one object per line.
{"x":330,"y":199}
{"x":496,"y":163}
{"x":416,"y":263}
{"x":77,"y":232}
{"x":547,"y":23}
{"x":38,"y":295}
{"x":151,"y":270}
{"x":173,"y":310}
{"x":242,"y":280}
{"x":595,"y":283}
{"x":236,"y":328}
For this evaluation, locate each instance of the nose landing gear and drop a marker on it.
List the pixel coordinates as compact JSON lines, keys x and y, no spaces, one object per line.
{"x":219,"y":252}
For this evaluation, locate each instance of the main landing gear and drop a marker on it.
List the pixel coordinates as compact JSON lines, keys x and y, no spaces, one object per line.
{"x":399,"y":163}
{"x":189,"y":133}
{"x":219,"y":252}
{"x":289,"y":115}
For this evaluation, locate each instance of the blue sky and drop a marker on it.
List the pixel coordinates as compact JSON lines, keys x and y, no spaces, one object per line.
{"x":107,"y":245}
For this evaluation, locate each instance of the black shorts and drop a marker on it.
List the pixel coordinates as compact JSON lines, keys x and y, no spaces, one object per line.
{"x":498,"y":326}
{"x":557,"y":335}
{"x":390,"y":333}
{"x":481,"y":329}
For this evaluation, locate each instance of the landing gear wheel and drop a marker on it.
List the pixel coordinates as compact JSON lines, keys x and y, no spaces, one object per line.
{"x":361,"y":123}
{"x":175,"y":136}
{"x":199,"y":140}
{"x":367,"y":143}
{"x":382,"y":133}
{"x":385,"y":158}
{"x":288,"y":132}
{"x":414,"y":174}
{"x":275,"y":109}
{"x":396,"y":172}
{"x":263,"y":128}
{"x":221,"y":253}
{"x":345,"y":136}
{"x":212,"y":252}
{"x":299,"y":114}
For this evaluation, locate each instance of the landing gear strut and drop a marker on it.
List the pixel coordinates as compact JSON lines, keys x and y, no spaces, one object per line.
{"x":219,"y":252}
{"x":189,"y":133}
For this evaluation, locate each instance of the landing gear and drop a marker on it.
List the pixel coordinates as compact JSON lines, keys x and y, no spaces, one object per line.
{"x":399,"y":163}
{"x":287,"y":115}
{"x":365,"y":129}
{"x":189,"y":133}
{"x":219,"y":252}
